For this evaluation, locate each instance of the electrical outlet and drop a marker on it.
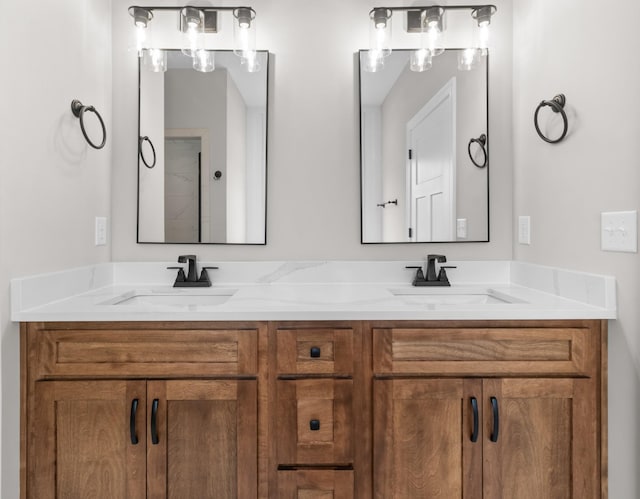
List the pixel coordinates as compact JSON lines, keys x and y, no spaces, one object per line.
{"x":461,"y":228}
{"x":101,"y":231}
{"x":619,"y":231}
{"x":524,"y":230}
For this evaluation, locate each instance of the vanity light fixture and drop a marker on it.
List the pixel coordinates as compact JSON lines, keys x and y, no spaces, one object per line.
{"x":195,"y":23}
{"x":429,"y":23}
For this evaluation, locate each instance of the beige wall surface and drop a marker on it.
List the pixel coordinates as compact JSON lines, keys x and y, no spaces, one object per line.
{"x":52,"y":184}
{"x":589,"y":53}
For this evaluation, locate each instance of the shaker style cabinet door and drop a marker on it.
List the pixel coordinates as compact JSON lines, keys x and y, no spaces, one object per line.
{"x":547,"y":441}
{"x":424,"y":441}
{"x":202,"y":439}
{"x":88,"y":440}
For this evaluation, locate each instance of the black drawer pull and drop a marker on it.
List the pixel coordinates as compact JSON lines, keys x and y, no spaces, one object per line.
{"x":154,"y":422}
{"x":314,"y":424}
{"x":496,"y":419}
{"x":132,"y":422}
{"x":474,"y":407}
{"x":315,"y":352}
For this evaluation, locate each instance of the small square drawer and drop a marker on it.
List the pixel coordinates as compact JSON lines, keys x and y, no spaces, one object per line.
{"x":315,"y":351}
{"x":148,"y":353}
{"x":315,"y":484}
{"x":482,"y":351}
{"x":314,"y":419}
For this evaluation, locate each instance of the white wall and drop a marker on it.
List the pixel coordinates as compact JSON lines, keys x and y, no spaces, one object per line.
{"x":52,"y":184}
{"x":588,"y":51}
{"x":313,"y":144}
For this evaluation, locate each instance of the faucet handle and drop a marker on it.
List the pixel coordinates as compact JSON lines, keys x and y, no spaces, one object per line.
{"x":204,"y":275}
{"x":419,"y":273}
{"x":442,"y":275}
{"x":181,"y":277}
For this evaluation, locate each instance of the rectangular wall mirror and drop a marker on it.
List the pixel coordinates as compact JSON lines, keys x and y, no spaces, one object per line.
{"x":424,"y":151}
{"x":202,"y":167}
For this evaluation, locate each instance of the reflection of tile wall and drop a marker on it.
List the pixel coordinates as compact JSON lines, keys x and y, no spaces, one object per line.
{"x":181,"y":190}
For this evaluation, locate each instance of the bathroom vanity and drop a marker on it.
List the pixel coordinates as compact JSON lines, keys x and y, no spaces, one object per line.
{"x":458,"y":401}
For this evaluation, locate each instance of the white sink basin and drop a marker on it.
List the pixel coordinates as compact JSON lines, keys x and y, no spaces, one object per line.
{"x":182,"y":298}
{"x":452,"y":296}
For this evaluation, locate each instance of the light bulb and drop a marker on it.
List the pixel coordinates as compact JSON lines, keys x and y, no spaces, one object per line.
{"x":141,"y":18}
{"x":141,"y":36}
{"x":434,"y":41}
{"x":420,"y":60}
{"x":203,"y":61}
{"x":483,"y":37}
{"x":192,"y":24}
{"x":482,"y":16}
{"x":244,"y":33}
{"x":380,"y":32}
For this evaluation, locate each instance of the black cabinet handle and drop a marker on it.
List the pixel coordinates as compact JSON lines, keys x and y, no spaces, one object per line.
{"x":154,"y":422}
{"x":474,"y":407}
{"x":132,"y":422}
{"x":315,"y":352}
{"x":496,"y":419}
{"x":314,"y":424}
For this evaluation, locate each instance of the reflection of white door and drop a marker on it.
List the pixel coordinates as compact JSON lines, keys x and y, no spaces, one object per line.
{"x":431,"y":140}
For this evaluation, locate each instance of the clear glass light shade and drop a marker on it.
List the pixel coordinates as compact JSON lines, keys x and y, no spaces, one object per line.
{"x":244,"y":33}
{"x":155,"y":60}
{"x":482,"y":38}
{"x":380,"y":32}
{"x":204,"y":61}
{"x":141,"y":18}
{"x":372,"y":61}
{"x":420,"y":60}
{"x":141,"y":38}
{"x":251,"y":62}
{"x":192,"y":25}
{"x":482,"y":20}
{"x":469,"y":59}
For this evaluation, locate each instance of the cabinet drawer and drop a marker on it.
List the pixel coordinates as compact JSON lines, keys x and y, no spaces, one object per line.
{"x":315,"y":351}
{"x":148,"y":353}
{"x":314,"y":421}
{"x":315,"y":484}
{"x":479,"y":351}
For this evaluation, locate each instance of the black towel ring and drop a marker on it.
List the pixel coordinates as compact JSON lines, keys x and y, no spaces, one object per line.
{"x":482,"y":142}
{"x":153,"y":149}
{"x":78,"y":111}
{"x":557,"y":106}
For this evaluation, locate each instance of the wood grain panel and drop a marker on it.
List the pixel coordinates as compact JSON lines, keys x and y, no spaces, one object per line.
{"x":315,"y":484}
{"x":208,"y":440}
{"x":483,"y":351}
{"x":294,"y":351}
{"x":330,"y":401}
{"x":81,"y":444}
{"x":420,"y":432}
{"x":147,"y":353}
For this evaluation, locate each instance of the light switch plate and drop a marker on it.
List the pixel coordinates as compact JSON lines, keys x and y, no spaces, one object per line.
{"x":101,"y":231}
{"x":524,"y":230}
{"x":619,"y":231}
{"x":461,"y":228}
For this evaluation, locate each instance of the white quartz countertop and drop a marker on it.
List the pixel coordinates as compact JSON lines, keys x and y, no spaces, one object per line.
{"x":251,"y":291}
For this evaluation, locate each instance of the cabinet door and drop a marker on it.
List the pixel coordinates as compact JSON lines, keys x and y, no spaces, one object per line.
{"x":84,"y":444}
{"x":422,"y":439}
{"x":202,"y":440}
{"x":547,"y":443}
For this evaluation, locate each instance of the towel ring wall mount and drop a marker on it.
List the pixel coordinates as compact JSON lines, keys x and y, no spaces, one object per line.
{"x":78,"y":109}
{"x":557,"y":106}
{"x":482,"y":142}
{"x":141,"y":140}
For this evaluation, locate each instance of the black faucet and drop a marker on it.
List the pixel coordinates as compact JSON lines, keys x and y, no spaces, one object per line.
{"x":190,"y":280}
{"x":431,"y":278}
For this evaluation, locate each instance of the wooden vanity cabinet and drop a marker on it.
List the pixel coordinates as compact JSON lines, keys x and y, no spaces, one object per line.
{"x":109,"y":415}
{"x":511,"y":411}
{"x":314,"y":409}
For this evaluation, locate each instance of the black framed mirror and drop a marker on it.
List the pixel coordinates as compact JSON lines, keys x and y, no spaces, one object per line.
{"x":423,"y":179}
{"x":202,"y":163}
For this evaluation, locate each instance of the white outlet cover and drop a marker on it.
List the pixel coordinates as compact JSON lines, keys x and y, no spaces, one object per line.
{"x":461,"y":228}
{"x":101,"y":231}
{"x":524,"y":230}
{"x":619,"y":231}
